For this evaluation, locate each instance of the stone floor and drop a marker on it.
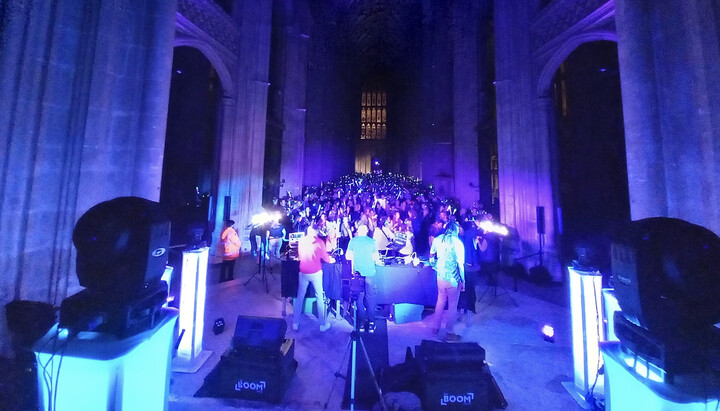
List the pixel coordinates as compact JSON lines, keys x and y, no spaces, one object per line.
{"x":528,"y":370}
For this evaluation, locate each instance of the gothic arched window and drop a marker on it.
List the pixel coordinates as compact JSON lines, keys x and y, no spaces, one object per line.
{"x":373,"y":117}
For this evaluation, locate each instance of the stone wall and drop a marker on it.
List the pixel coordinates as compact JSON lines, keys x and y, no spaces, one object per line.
{"x":84,"y":90}
{"x":669,"y":67}
{"x":670,"y":105}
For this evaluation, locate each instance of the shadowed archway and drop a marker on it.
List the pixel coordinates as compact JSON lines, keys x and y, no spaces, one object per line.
{"x":192,"y":145}
{"x":591,"y":183}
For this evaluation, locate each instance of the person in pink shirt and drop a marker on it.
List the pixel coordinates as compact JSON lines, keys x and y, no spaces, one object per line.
{"x":311,"y":252}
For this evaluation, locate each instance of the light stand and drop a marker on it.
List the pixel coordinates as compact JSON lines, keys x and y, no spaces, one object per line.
{"x":355,"y":338}
{"x":492,"y":287}
{"x":539,"y":254}
{"x":262,"y":270}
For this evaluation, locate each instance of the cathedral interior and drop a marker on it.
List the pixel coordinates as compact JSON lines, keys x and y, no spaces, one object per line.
{"x":564,"y":119}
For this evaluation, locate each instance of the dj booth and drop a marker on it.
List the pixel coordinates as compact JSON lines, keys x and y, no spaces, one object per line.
{"x":395,"y":283}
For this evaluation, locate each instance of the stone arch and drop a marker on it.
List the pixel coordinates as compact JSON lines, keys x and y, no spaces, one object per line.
{"x":547,"y":131}
{"x":227,"y":109}
{"x":214,"y":58}
{"x":545,"y":128}
{"x":563,"y":51}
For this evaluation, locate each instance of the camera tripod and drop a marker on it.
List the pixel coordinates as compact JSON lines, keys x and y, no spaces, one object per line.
{"x":353,"y":342}
{"x":263,"y":269}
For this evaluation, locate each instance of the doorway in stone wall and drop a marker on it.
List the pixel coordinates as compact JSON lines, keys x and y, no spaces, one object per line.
{"x":189,"y":177}
{"x":592,"y":187}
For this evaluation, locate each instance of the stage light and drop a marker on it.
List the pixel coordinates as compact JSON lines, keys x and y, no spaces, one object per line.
{"x":265,"y":218}
{"x":666,"y":278}
{"x":116,"y":334}
{"x":491,"y":227}
{"x":548,"y":333}
{"x":122,"y":246}
{"x":219,"y":326}
{"x":121,"y":257}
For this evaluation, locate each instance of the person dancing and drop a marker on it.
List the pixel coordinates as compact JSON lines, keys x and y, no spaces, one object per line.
{"x":311,"y":252}
{"x":450,"y":268}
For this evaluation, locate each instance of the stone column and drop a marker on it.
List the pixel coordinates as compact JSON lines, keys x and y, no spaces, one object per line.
{"x":225,"y":177}
{"x":321,"y":149}
{"x":437,"y":112}
{"x":465,"y":100}
{"x":248,"y":143}
{"x":670,"y":65}
{"x":84,"y":91}
{"x":515,"y":124}
{"x":544,"y":146}
{"x":294,"y":110}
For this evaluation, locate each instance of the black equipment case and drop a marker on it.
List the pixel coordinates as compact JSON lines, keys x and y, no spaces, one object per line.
{"x":455,"y":376}
{"x":254,"y":375}
{"x":259,"y":334}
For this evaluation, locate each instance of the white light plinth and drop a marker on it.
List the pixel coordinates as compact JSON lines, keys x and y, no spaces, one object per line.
{"x":193,"y":288}
{"x":97,"y":371}
{"x":587,"y":332}
{"x":610,"y":304}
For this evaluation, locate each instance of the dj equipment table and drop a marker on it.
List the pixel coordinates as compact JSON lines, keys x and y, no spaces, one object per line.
{"x":395,"y":283}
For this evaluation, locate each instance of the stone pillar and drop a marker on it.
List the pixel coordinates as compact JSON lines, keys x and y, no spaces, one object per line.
{"x":486,"y":125}
{"x":248,"y":143}
{"x":437,"y":112}
{"x":225,"y":170}
{"x":515,"y":124}
{"x":321,"y":147}
{"x":466,"y":15}
{"x":84,"y":89}
{"x":544,"y":146}
{"x":670,"y":65}
{"x":294,"y":110}
{"x":524,"y":146}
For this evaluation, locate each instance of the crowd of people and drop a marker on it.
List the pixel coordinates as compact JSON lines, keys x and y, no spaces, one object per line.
{"x":402,"y":216}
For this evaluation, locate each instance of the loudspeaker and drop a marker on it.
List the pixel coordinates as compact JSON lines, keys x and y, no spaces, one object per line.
{"x":226,"y":208}
{"x":434,"y":355}
{"x":540,"y":210}
{"x":252,"y":377}
{"x":259,"y":334}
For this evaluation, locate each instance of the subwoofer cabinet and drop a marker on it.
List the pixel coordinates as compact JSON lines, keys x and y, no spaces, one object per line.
{"x":454,"y":375}
{"x":257,"y":375}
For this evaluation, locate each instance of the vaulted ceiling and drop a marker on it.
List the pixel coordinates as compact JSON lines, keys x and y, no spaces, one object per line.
{"x":380,"y":33}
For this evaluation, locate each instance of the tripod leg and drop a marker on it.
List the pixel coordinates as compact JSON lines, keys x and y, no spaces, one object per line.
{"x":337,"y":373}
{"x":353,"y":374}
{"x":483,"y":294}
{"x":259,"y":270}
{"x":372,"y":373}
